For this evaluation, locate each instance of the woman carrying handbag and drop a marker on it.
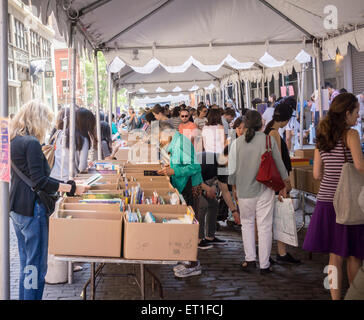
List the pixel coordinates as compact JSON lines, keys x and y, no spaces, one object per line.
{"x":336,"y":143}
{"x":247,"y":156}
{"x":28,"y":208}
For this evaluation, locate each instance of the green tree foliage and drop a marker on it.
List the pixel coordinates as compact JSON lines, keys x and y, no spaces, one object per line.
{"x":103,"y":83}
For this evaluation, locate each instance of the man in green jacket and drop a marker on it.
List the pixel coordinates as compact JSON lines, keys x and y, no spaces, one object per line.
{"x":185,"y":173}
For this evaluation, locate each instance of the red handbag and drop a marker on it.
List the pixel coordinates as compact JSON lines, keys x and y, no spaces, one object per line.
{"x":268,"y":173}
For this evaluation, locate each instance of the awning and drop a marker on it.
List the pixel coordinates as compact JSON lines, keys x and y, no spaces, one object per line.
{"x":209,"y":31}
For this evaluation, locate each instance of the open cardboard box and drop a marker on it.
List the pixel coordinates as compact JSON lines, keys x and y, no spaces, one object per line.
{"x":161,"y":241}
{"x":87,"y":233}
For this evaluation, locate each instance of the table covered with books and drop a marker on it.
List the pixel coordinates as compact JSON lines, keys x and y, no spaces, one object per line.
{"x":127,"y":217}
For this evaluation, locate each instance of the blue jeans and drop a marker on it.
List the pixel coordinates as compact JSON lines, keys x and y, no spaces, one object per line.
{"x":32,"y":234}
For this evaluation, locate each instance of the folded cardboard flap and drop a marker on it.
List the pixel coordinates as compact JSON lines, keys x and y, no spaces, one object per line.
{"x":88,"y":214}
{"x":99,"y":207}
{"x":107,"y":186}
{"x":163,"y":209}
{"x":85,"y":234}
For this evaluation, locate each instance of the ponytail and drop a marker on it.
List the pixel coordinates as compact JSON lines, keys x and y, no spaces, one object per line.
{"x":253,"y":123}
{"x":249,"y":135}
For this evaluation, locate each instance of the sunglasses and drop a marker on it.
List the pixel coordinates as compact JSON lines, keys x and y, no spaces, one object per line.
{"x":185,"y":116}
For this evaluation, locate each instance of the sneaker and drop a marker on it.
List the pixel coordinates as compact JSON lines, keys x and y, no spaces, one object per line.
{"x":272,"y":261}
{"x":287,"y":259}
{"x":216,"y":241}
{"x":189,"y":272}
{"x":181,"y":265}
{"x":266,"y":271}
{"x":203,"y":245}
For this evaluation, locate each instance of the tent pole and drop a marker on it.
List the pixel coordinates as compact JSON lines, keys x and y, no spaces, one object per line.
{"x":314,"y":74}
{"x":72,"y":123}
{"x":301,"y":103}
{"x":110,"y":98}
{"x":115,"y":98}
{"x":318,"y":70}
{"x":97,"y":105}
{"x":4,"y":193}
{"x":247,"y":94}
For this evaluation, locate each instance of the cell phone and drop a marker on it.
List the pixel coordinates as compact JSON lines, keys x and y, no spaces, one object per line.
{"x":151,"y":173}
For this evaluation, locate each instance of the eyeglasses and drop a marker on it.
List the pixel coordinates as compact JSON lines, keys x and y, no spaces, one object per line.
{"x":185,"y":116}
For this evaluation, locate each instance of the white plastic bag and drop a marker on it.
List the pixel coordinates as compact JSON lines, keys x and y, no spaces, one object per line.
{"x":284,"y":223}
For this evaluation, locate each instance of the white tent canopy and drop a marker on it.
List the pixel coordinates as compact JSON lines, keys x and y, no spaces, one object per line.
{"x":175,"y":45}
{"x":173,"y":31}
{"x":160,"y":80}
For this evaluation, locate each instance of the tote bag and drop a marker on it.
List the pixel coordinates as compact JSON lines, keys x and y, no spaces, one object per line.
{"x":50,"y":149}
{"x":348,"y":202}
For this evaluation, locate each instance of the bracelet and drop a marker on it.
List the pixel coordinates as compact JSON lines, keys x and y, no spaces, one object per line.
{"x":73,"y":188}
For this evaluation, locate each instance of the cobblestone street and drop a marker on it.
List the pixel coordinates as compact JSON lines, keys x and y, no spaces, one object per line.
{"x":221,"y":278}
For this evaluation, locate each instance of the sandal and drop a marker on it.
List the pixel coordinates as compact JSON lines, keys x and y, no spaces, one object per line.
{"x":248,"y":266}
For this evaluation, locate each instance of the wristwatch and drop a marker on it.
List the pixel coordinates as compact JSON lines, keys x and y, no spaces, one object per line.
{"x":73,"y":188}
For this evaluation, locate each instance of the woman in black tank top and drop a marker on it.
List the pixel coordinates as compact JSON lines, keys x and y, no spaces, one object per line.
{"x":282,"y":114}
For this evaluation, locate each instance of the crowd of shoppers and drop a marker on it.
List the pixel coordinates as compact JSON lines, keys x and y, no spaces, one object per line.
{"x":210,"y":152}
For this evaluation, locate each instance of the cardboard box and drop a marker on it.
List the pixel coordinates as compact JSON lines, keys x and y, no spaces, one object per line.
{"x":305,"y":153}
{"x":122,"y":154}
{"x":159,"y":241}
{"x":305,"y":180}
{"x":87,"y":233}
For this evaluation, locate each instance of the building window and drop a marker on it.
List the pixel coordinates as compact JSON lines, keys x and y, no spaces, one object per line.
{"x":11,"y":71}
{"x":35,"y":44}
{"x":64,"y":64}
{"x":21,"y":36}
{"x":46,"y":48}
{"x":65,"y":87}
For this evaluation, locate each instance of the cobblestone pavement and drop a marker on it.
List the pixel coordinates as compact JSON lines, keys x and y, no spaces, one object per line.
{"x":221,"y":278}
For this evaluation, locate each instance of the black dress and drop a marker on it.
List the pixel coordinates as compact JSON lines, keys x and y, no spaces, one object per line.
{"x":285,"y":154}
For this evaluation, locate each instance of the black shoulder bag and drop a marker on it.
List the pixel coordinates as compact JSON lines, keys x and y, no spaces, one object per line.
{"x":48,"y":199}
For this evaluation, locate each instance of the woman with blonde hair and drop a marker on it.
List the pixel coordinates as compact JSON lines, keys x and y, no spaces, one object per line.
{"x":29,"y":215}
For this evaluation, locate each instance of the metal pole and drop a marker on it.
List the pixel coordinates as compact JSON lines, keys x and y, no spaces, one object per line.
{"x":97,"y":106}
{"x":4,"y":191}
{"x":110,"y":99}
{"x":318,"y":61}
{"x":72,"y":126}
{"x":301,"y":103}
{"x":115,"y":98}
{"x":314,"y":74}
{"x":247,"y":94}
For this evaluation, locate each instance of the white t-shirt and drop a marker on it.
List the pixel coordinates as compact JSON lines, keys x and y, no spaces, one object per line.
{"x":213,"y":138}
{"x":268,"y":115}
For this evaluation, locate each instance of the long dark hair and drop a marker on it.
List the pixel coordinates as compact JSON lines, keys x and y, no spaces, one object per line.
{"x":253,"y":123}
{"x":65,"y":127}
{"x":86,"y":125}
{"x":333,"y":127}
{"x":214,"y":117}
{"x":282,"y":112}
{"x":106,"y":134}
